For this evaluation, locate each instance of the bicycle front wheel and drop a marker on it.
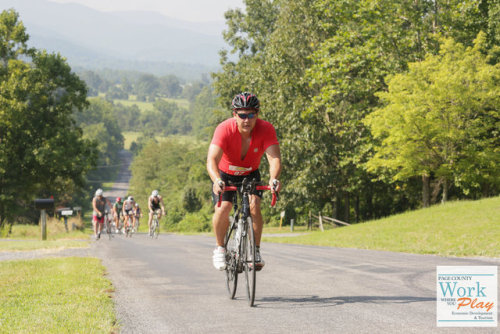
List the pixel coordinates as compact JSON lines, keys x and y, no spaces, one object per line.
{"x":108,"y":229}
{"x":249,"y":261}
{"x":231,"y":262}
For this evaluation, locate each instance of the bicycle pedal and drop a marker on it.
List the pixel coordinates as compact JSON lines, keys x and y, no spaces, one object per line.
{"x":258,"y":266}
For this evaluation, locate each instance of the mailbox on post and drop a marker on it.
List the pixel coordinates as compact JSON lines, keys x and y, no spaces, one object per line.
{"x":43,"y":204}
{"x":65,"y":212}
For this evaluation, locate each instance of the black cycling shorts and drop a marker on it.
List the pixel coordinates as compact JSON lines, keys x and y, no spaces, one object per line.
{"x":236,"y":179}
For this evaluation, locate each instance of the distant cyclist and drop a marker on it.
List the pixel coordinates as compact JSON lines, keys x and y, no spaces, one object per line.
{"x":117,"y":211}
{"x":155,"y":203}
{"x":128,"y":211}
{"x":99,"y":206}
{"x":138,"y":215}
{"x":237,"y":147}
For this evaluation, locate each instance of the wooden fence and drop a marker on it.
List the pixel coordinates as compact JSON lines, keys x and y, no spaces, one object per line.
{"x":321,"y":220}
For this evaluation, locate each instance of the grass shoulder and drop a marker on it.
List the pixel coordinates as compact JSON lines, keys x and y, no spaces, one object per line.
{"x":28,"y":237}
{"x":461,"y":228}
{"x":59,"y":295}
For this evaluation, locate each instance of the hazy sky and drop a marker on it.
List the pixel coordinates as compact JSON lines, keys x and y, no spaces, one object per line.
{"x":190,"y":10}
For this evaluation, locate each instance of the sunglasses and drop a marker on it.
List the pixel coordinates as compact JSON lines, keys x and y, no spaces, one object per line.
{"x":245,"y":116}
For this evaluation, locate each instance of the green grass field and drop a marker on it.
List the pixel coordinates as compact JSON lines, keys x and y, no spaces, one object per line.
{"x":131,"y":136}
{"x":28,"y":237}
{"x":143,"y":106}
{"x":63,"y":295}
{"x":462,"y":228}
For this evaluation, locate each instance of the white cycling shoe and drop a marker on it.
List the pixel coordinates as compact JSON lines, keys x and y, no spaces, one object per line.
{"x":219,"y":258}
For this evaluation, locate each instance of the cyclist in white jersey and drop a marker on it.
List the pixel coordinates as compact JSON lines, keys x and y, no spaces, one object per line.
{"x":128,"y":210}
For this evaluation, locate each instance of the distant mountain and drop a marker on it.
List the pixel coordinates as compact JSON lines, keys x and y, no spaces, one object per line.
{"x":142,"y":41}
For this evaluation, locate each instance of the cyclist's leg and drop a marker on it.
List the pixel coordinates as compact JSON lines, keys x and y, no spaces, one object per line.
{"x":94,"y":225}
{"x":150,"y":219}
{"x":220,"y":221}
{"x":258,"y":221}
{"x":98,"y":226}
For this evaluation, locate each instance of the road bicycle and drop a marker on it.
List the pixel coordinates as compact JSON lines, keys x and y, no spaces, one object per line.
{"x":128,"y":225}
{"x":154,"y":230}
{"x":239,"y":241}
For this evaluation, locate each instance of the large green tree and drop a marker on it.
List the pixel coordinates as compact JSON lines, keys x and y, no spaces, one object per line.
{"x":41,"y":150}
{"x":370,"y":39}
{"x":442,"y":118}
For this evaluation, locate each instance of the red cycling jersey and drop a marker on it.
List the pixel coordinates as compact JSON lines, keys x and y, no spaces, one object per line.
{"x":228,"y":138}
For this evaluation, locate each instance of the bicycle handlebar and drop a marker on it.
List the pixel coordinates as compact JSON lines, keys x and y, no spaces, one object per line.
{"x":233,"y":188}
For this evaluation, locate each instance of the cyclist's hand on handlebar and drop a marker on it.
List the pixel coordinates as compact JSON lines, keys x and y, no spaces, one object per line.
{"x":275,"y":185}
{"x":218,"y":186}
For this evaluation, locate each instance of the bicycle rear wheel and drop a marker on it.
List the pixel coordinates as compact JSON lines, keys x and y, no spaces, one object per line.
{"x":248,"y":256}
{"x":231,"y":262}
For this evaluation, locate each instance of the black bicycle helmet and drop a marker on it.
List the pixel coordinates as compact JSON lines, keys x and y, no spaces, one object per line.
{"x":246,"y":100}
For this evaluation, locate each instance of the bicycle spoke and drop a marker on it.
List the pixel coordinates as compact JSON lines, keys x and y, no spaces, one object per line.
{"x":249,"y":262}
{"x":231,"y":263}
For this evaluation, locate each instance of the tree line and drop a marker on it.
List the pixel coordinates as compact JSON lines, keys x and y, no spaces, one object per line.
{"x":145,"y":87}
{"x":380,"y":106}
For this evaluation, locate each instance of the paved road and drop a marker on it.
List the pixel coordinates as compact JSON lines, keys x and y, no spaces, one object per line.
{"x":121,"y":185}
{"x":169,"y":286}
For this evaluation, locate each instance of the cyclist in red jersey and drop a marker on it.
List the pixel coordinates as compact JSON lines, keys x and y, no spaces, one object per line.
{"x":235,"y":152}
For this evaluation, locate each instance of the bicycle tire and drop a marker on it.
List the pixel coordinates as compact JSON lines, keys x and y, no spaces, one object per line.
{"x":231,"y":270}
{"x":108,"y":229}
{"x":127,"y":228}
{"x":157,"y":229}
{"x":249,"y":261}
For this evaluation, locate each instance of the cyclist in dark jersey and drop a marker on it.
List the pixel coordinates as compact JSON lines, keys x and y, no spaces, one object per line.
{"x":235,"y":152}
{"x":155,"y":203}
{"x":99,"y":205}
{"x":138,"y":216}
{"x":117,"y":211}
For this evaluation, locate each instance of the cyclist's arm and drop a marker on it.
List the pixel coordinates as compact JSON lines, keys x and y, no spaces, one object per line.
{"x":162,"y":206}
{"x":273,"y":155}
{"x":150,"y":204}
{"x":213,"y":158}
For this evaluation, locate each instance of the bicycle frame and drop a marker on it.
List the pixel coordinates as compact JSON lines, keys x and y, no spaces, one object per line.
{"x":154,"y":230}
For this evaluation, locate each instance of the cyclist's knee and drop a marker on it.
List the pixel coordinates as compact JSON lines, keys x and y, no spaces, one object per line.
{"x":255,"y":205}
{"x":225,"y":208}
